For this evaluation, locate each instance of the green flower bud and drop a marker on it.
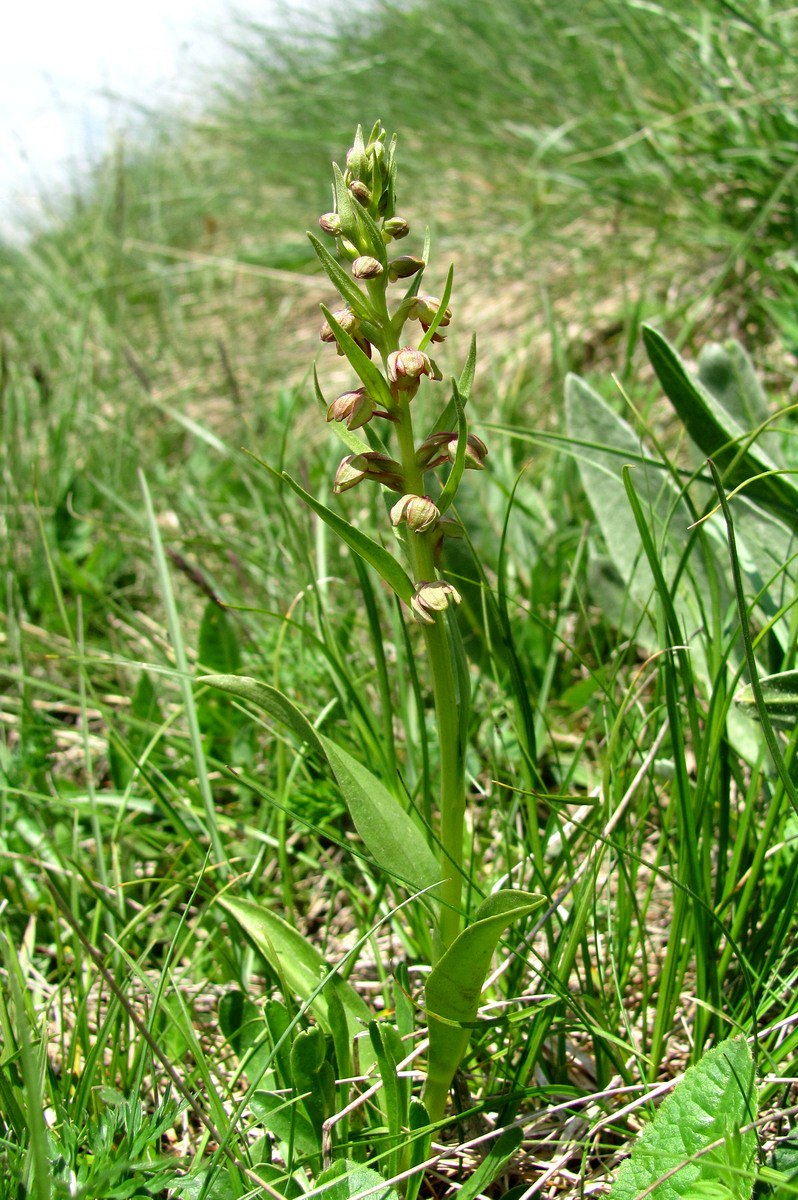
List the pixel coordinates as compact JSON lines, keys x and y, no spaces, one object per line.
{"x":360,"y":192}
{"x":331,"y":223}
{"x":369,"y":465}
{"x":432,"y":598}
{"x":404,"y":267}
{"x":355,"y":408}
{"x":346,"y":319}
{"x":406,"y":366}
{"x":366,"y":267}
{"x":418,"y":512}
{"x":424,"y":308}
{"x":475,"y":455}
{"x":396,"y":227}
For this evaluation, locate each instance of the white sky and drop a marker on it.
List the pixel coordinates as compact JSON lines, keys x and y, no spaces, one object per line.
{"x":61,"y":61}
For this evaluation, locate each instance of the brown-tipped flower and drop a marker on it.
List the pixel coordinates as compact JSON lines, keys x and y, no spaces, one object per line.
{"x":369,"y":465}
{"x":432,"y":598}
{"x":442,"y":447}
{"x":366,"y":267}
{"x":475,"y":455}
{"x":406,"y":366}
{"x":396,"y":227}
{"x":331,"y":223}
{"x":346,"y":319}
{"x":424,"y":308}
{"x":404,"y":267}
{"x":355,"y":408}
{"x":418,"y":512}
{"x":360,"y":192}
{"x":432,"y":450}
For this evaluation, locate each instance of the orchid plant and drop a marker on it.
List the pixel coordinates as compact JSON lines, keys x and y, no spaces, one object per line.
{"x":385,"y":325}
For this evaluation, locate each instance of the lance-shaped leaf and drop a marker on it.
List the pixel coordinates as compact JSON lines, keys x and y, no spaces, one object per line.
{"x":347,"y":288}
{"x":464,"y":385}
{"x":441,"y":311}
{"x":370,"y":376}
{"x":780,"y":694}
{"x":296,"y":961}
{"x":271,"y":700}
{"x":449,"y":491}
{"x":717,"y":433}
{"x":397,"y":845}
{"x":454,"y":986}
{"x":370,"y":551}
{"x":392,"y":838}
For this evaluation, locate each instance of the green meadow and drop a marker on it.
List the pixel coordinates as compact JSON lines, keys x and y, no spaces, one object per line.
{"x":398,"y":828}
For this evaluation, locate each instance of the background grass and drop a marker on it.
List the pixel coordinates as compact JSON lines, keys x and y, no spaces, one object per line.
{"x":586,"y":166}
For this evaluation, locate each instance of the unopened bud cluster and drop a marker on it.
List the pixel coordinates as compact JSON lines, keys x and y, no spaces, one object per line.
{"x":364,"y":224}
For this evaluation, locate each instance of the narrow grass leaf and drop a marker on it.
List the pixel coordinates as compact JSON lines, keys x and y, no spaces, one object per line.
{"x":494,"y":1162}
{"x":710,"y":1104}
{"x":181,"y":662}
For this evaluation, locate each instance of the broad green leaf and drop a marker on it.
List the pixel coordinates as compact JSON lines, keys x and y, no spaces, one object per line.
{"x":449,"y":490}
{"x":312,"y":1076}
{"x":729,"y":374}
{"x":768,"y":550}
{"x":347,"y":288}
{"x":346,"y":1179}
{"x":295,"y":960}
{"x":717,"y":433}
{"x":713,"y":1100}
{"x":445,"y":298}
{"x":780,"y":693}
{"x":270,"y":700}
{"x":218,"y":644}
{"x":454,"y":985}
{"x":602,"y":444}
{"x":391,"y":836}
{"x":370,"y":551}
{"x":370,"y":376}
{"x":281,"y":1116}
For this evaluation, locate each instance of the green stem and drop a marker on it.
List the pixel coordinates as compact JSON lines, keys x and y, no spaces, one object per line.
{"x":440,"y":658}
